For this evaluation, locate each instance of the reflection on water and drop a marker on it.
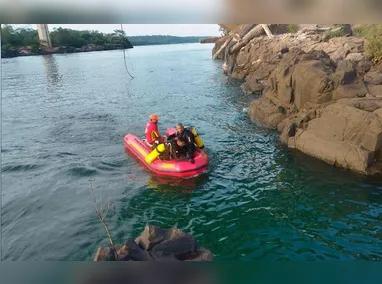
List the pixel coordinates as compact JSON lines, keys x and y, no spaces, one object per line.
{"x":51,"y":70}
{"x":168,"y":184}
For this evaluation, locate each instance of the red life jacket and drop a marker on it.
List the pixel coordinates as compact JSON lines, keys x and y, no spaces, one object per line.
{"x":152,"y":132}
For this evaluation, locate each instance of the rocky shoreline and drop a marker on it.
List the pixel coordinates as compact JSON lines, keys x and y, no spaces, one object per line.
{"x":323,"y":95}
{"x":29,"y":51}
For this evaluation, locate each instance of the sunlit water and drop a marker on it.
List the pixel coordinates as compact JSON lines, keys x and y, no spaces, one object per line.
{"x":63,"y":122}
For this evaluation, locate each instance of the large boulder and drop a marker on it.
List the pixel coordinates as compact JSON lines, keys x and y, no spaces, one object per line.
{"x":154,"y":237}
{"x":256,"y":61}
{"x":373,"y":78}
{"x":347,"y":83}
{"x":302,"y":79}
{"x":347,"y":133}
{"x":264,"y":112}
{"x":299,"y":78}
{"x":339,"y":48}
{"x":356,"y":57}
{"x":167,"y":242}
{"x":203,"y":254}
{"x":370,"y":104}
{"x":256,"y":56}
{"x":132,"y":251}
{"x":375,"y":90}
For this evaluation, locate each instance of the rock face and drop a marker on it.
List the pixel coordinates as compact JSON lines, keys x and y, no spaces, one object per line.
{"x":343,"y":135}
{"x":320,"y":109}
{"x":323,"y":96}
{"x":156,"y":244}
{"x":256,"y":61}
{"x":218,"y":45}
{"x":302,"y":79}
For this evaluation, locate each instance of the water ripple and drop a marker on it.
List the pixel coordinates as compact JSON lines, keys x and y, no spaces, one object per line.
{"x":259,"y":200}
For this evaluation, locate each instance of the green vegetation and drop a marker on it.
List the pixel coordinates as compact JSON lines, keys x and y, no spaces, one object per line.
{"x":338,"y":31}
{"x":335,"y":33}
{"x":362,"y":30}
{"x":373,"y":34}
{"x":292,"y":28}
{"x":12,"y":39}
{"x":67,"y":37}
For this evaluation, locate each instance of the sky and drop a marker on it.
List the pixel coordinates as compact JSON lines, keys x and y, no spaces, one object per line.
{"x":148,"y":29}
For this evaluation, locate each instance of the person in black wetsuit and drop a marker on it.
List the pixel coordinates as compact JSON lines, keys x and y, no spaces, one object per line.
{"x":185,"y":145}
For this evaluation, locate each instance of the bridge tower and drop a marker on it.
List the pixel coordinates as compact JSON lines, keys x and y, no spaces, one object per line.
{"x":43,"y":35}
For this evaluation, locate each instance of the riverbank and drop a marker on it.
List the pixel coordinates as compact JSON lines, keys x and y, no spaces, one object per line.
{"x":31,"y":51}
{"x":24,"y":41}
{"x":322,"y":92}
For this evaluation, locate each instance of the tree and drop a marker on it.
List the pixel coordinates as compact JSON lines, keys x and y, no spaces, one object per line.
{"x":120,"y":33}
{"x":102,"y":214}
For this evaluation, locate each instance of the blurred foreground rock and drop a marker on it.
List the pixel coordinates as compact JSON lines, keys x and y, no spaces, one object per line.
{"x":156,"y":244}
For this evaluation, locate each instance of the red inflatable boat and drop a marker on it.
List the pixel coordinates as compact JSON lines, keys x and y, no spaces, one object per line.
{"x":172,"y":168}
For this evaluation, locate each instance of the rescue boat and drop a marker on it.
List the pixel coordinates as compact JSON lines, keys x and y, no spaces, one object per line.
{"x":171,"y":168}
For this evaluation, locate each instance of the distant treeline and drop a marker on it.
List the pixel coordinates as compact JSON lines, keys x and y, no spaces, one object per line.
{"x":14,"y":38}
{"x":162,"y":39}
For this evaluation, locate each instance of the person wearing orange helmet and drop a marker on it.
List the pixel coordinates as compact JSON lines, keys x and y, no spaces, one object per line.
{"x":153,"y":136}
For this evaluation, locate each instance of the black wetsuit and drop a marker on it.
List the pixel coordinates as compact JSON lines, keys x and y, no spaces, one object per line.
{"x":188,"y":150}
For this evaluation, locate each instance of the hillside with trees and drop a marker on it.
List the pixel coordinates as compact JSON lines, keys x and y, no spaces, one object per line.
{"x":24,"y":41}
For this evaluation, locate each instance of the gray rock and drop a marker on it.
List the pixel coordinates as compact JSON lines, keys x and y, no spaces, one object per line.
{"x":135,"y":252}
{"x":345,"y":73}
{"x":363,"y":67}
{"x":152,"y":236}
{"x":178,"y":246}
{"x":373,"y":78}
{"x":356,"y":57}
{"x":166,"y":243}
{"x":202,"y":254}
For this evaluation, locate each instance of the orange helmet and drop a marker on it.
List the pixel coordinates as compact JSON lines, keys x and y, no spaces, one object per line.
{"x":154,"y":117}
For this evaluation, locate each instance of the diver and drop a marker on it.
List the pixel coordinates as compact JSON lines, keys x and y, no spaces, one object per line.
{"x":185,"y":144}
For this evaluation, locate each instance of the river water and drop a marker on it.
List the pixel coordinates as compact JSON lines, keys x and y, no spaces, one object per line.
{"x":63,"y":122}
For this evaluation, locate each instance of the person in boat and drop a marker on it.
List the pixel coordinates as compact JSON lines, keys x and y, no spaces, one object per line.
{"x":185,"y":143}
{"x":153,"y":137}
{"x":176,"y":150}
{"x":171,"y":151}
